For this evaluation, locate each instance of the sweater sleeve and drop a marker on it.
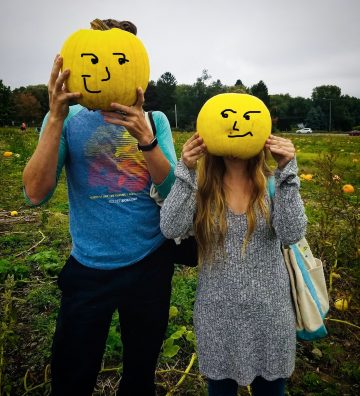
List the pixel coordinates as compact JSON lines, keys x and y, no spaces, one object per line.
{"x":288,"y":216}
{"x":164,"y":136}
{"x":177,"y":212}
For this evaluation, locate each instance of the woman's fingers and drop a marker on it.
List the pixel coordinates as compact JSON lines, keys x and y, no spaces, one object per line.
{"x":193,"y":149}
{"x":193,"y":142}
{"x":277,"y":142}
{"x":282,"y":151}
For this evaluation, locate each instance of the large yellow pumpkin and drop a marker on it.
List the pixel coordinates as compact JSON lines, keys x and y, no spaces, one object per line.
{"x":234,"y":124}
{"x":105,"y":66}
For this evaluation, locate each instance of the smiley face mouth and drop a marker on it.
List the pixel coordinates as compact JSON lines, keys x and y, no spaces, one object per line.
{"x":237,"y":129}
{"x":84,"y":76}
{"x":86,"y":87}
{"x":245,"y":134}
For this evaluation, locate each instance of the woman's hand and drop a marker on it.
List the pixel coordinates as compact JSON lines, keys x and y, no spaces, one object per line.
{"x":193,"y":149}
{"x":59,"y":96}
{"x":132,"y":118}
{"x":282,"y":150}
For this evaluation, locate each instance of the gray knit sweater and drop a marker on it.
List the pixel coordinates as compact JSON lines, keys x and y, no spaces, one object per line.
{"x":243,"y":314}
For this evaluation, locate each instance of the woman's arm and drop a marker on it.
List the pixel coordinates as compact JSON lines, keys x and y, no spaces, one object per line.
{"x":288,"y":218}
{"x":178,"y":210}
{"x":288,"y":215}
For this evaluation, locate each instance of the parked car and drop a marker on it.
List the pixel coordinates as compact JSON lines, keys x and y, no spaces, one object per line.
{"x":354,"y":133}
{"x":304,"y":130}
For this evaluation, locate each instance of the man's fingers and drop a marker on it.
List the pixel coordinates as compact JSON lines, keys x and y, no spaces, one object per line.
{"x":61,"y":80}
{"x":122,"y":109}
{"x":72,"y":95}
{"x":140,"y":98}
{"x":55,"y":71}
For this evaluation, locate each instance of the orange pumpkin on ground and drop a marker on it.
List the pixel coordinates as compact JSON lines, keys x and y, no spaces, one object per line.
{"x":348,"y":189}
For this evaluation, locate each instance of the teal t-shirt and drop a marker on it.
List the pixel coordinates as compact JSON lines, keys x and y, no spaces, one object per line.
{"x":113,"y":220}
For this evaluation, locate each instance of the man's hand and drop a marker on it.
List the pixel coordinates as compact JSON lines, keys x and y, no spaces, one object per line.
{"x":132,"y":118}
{"x":59,"y":97}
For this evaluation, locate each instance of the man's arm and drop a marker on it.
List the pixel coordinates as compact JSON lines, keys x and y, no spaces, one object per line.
{"x":39,"y":176}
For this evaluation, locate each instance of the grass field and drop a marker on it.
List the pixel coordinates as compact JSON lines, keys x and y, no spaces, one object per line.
{"x":35,"y":242}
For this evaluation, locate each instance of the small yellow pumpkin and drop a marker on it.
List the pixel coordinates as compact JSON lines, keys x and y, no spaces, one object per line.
{"x":7,"y":153}
{"x":308,"y":177}
{"x":105,"y":66}
{"x":13,"y":213}
{"x":348,"y":189}
{"x":233,"y":124}
{"x":342,"y":304}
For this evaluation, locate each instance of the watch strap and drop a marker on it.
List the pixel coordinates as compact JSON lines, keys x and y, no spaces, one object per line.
{"x":148,"y":147}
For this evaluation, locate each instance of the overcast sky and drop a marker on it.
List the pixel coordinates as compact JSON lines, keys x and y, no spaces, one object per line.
{"x":292,"y":45}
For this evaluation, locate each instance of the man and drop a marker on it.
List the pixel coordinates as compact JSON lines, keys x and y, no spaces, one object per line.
{"x":119,"y":258}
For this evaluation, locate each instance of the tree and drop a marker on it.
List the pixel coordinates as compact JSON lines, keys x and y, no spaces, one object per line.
{"x":260,"y":90}
{"x":326,"y":92}
{"x":316,"y":119}
{"x":27,"y":108}
{"x":165,"y":89}
{"x":5,"y":104}
{"x":41,"y":94}
{"x":184,"y":105}
{"x":151,"y":97}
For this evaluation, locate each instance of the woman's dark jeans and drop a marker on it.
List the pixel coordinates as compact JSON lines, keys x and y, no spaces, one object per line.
{"x":259,"y":387}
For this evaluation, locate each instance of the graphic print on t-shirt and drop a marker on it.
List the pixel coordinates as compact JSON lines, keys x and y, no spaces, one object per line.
{"x":115,"y":166}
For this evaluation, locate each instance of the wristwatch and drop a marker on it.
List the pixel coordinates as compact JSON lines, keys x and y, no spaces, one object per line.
{"x":148,"y":147}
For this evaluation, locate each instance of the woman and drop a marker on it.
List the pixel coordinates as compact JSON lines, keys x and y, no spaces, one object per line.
{"x":243,"y":314}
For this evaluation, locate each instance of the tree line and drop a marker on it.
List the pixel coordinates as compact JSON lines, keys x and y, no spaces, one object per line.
{"x":326,"y":110}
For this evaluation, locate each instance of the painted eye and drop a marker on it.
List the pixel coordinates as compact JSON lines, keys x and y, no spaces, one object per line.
{"x":224,"y":113}
{"x":247,"y":116}
{"x":94,"y":59}
{"x":122,"y":58}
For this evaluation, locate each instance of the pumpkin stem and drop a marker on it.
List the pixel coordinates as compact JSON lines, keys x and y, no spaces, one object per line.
{"x":98,"y":24}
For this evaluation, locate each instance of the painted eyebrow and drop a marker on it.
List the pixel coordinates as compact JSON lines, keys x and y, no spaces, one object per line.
{"x":251,"y":111}
{"x":94,"y":61}
{"x":226,"y":115}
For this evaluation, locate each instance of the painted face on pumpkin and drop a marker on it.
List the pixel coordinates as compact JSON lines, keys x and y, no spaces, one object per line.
{"x":95,"y":60}
{"x":106,"y":66}
{"x":234,"y":125}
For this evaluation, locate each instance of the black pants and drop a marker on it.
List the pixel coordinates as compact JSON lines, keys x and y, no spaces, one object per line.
{"x":141,"y":294}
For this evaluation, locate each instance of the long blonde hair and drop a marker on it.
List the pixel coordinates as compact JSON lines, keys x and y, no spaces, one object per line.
{"x":210,"y":219}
